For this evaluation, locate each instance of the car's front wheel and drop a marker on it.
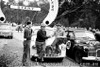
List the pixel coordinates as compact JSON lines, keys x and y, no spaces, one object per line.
{"x":78,"y":57}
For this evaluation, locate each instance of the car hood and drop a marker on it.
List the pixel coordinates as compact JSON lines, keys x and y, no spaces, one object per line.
{"x":90,"y":43}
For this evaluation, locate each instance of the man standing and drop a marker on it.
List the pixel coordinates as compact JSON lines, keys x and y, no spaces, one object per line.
{"x":40,"y":41}
{"x":59,"y":31}
{"x":26,"y":43}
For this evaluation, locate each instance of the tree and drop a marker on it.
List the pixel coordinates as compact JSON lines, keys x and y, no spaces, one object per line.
{"x":73,"y":10}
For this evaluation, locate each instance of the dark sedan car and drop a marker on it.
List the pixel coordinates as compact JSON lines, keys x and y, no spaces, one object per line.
{"x":82,"y":45}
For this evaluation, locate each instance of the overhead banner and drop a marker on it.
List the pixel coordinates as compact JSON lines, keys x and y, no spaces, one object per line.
{"x":53,"y":11}
{"x":25,"y":5}
{"x":25,"y":8}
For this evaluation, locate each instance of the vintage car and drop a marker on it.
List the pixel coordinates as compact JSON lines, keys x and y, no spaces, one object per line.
{"x":82,"y":46}
{"x":50,"y":50}
{"x":6,"y":30}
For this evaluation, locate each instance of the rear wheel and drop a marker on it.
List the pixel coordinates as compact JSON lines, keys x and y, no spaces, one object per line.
{"x":78,"y":57}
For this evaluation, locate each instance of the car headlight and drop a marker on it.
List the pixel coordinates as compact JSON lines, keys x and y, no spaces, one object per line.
{"x":90,"y":44}
{"x":85,"y":47}
{"x":89,"y":48}
{"x":62,"y":47}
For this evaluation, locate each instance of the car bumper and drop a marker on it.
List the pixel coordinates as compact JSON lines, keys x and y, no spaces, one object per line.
{"x":91,"y":58}
{"x":6,"y":35}
{"x":48,"y":57}
{"x":34,"y":53}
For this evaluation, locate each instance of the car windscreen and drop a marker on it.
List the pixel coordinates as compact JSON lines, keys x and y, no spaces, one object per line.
{"x":85,"y":35}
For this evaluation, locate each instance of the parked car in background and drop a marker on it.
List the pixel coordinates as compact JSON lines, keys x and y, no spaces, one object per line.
{"x":6,"y":30}
{"x":82,"y":45}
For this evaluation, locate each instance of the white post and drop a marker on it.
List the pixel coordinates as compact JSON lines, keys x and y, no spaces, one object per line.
{"x":53,"y":11}
{"x":2,"y":16}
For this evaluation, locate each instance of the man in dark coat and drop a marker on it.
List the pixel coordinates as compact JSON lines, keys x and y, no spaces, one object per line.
{"x":26,"y":43}
{"x":40,"y":41}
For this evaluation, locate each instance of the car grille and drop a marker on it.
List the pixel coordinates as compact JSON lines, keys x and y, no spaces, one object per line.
{"x":98,"y":53}
{"x":92,"y":53}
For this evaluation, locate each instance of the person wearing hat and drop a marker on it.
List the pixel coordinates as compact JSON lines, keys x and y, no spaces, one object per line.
{"x":40,"y":41}
{"x":58,"y":32}
{"x":26,"y":44}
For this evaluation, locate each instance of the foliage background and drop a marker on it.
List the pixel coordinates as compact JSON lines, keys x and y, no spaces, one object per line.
{"x":81,"y":13}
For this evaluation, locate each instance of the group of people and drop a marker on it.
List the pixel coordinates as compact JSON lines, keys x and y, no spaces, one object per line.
{"x":40,"y":40}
